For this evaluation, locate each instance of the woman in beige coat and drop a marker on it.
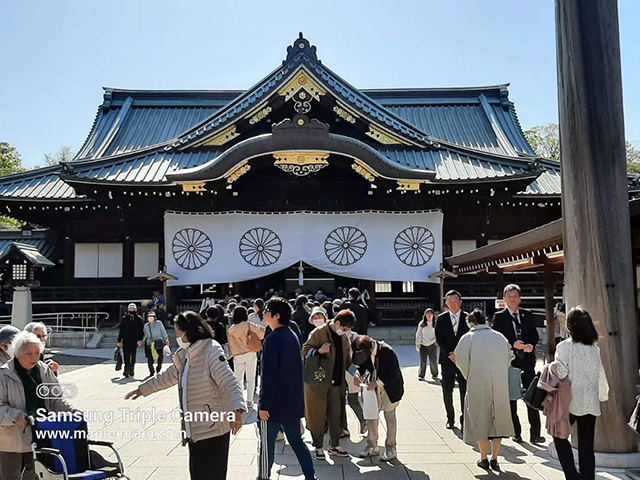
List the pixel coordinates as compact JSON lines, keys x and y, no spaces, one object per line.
{"x":245,"y":360}
{"x":483,"y":356}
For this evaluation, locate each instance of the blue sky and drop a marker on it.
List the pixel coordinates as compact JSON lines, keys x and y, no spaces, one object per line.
{"x":55,"y":56}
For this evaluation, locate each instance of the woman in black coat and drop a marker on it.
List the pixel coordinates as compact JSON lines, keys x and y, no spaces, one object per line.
{"x":379,"y":368}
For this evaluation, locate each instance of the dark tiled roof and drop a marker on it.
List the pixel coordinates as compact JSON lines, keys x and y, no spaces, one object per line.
{"x":44,"y":246}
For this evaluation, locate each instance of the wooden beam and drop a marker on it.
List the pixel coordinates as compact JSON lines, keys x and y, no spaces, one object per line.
{"x":597,"y":237}
{"x":549,"y":307}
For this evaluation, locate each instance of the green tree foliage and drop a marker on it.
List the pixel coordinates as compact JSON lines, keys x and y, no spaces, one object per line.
{"x":64,"y":154}
{"x":10,"y":162}
{"x":545,"y":141}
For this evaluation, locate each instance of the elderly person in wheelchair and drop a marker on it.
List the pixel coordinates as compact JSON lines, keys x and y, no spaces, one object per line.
{"x":20,"y":379}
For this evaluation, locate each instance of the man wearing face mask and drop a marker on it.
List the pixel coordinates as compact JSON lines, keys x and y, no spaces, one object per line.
{"x":7,"y":334}
{"x":379,"y":370}
{"x":130,"y":338}
{"x":327,"y":404}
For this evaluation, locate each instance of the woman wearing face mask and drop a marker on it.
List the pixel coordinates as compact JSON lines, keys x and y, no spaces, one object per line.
{"x":379,"y":368}
{"x":317,"y":318}
{"x":154,"y":339}
{"x":325,"y":405}
{"x":7,"y":334}
{"x":207,"y":388}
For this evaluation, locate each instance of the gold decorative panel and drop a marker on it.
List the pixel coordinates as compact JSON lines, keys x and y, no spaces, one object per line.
{"x":365,"y":171}
{"x":384,"y":137}
{"x":193,"y":187}
{"x":259,"y":114}
{"x":409,"y":185}
{"x":343,"y":112}
{"x":301,"y":164}
{"x":302,"y":81}
{"x":238,"y":171}
{"x":222,"y":137}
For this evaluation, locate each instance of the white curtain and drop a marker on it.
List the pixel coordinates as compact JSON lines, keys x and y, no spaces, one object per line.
{"x":234,"y":247}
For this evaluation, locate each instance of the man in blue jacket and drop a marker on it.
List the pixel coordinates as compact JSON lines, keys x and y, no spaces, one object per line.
{"x":282,"y":392}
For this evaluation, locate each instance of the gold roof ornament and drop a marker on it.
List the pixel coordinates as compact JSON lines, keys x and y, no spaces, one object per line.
{"x":221,"y":138}
{"x":345,"y":113}
{"x":238,"y":171}
{"x":259,"y":114}
{"x":409,"y":185}
{"x":364,"y":170}
{"x":301,"y":164}
{"x":302,"y":81}
{"x":384,"y":137}
{"x":193,"y":187}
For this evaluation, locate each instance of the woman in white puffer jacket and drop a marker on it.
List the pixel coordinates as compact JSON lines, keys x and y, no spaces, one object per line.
{"x":210,"y":396}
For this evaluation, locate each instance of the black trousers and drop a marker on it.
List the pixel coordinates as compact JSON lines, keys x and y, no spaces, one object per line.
{"x":209,"y":459}
{"x":528,"y":374}
{"x":450,"y":374}
{"x":149,"y":355}
{"x":129,"y":352}
{"x":586,"y":455}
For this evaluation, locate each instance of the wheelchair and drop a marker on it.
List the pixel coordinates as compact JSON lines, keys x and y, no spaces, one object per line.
{"x":65,"y":453}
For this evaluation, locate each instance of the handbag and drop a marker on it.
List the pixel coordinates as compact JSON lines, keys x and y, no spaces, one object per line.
{"x":515,"y":383}
{"x":117,"y":357}
{"x":317,"y":371}
{"x":158,"y":345}
{"x":634,"y":421}
{"x":534,"y":396}
{"x":253,"y":342}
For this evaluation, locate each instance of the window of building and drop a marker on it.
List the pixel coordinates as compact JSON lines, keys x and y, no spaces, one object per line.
{"x":19,"y":271}
{"x":98,"y":260}
{"x":383,"y":287}
{"x":407,"y":287}
{"x":146,"y":259}
{"x":459,"y":247}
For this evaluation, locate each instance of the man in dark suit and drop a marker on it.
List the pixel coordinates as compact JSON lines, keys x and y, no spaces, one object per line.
{"x":362,"y":316}
{"x":518,"y":326}
{"x":450,"y":327}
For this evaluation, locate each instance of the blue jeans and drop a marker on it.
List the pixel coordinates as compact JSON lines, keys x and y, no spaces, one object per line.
{"x":268,"y":434}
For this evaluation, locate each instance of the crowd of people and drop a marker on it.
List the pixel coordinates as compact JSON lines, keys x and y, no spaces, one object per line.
{"x":494,"y":364}
{"x":298,"y":364}
{"x":22,"y":370}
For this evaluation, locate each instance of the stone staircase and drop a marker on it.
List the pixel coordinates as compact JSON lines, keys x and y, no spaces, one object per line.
{"x":109,"y":338}
{"x":394,"y":335}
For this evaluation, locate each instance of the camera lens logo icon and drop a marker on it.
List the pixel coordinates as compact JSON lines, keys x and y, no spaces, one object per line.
{"x":56,"y":391}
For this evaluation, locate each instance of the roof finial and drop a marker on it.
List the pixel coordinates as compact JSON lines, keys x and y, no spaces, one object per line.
{"x":301,"y":46}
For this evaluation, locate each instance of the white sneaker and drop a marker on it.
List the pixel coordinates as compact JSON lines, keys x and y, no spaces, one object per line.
{"x":319,"y":454}
{"x":369,"y":452}
{"x":389,"y":454}
{"x":280,"y":436}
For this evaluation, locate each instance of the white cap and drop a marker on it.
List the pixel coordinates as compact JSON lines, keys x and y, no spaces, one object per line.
{"x":132,"y":306}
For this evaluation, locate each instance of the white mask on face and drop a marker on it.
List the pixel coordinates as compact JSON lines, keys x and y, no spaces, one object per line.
{"x":182,"y":343}
{"x":318,"y":322}
{"x":341,"y":332}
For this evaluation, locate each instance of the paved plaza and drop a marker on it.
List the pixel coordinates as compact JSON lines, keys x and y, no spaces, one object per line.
{"x":426,"y":449}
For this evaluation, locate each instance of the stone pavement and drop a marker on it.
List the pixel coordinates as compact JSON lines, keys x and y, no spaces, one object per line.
{"x":426,"y":449}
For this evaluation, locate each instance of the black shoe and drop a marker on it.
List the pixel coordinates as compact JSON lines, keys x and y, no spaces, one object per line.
{"x":494,"y":465}
{"x":450,"y":425}
{"x":538,"y":439}
{"x":518,"y":439}
{"x":483,"y":464}
{"x":421,"y":379}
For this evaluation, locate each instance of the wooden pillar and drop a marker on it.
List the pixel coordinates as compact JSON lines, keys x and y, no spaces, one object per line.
{"x":595,"y":205}
{"x":549,"y":308}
